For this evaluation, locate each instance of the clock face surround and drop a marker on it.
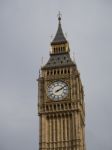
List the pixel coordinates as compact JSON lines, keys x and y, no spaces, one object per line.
{"x":57,"y":90}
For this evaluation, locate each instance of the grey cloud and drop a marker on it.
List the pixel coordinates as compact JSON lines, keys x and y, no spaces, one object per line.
{"x":25,"y":31}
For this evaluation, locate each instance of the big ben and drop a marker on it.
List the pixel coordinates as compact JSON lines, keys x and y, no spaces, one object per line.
{"x":60,"y":99}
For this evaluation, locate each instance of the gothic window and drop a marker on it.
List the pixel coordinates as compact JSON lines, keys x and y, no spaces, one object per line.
{"x":58,"y":107}
{"x":65,"y":71}
{"x":50,"y":107}
{"x":62,"y":106}
{"x":56,"y":49}
{"x":59,"y":49}
{"x":64,"y":129}
{"x":69,"y":105}
{"x":61,"y":71}
{"x":66,"y":105}
{"x":58,"y":71}
{"x":47,"y":72}
{"x":54,"y":107}
{"x":47,"y":108}
{"x":54,"y":71}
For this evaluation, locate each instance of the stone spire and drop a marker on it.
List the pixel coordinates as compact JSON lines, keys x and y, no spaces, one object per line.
{"x":59,"y":37}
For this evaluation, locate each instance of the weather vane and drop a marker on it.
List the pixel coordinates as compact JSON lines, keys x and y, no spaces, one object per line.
{"x":59,"y":16}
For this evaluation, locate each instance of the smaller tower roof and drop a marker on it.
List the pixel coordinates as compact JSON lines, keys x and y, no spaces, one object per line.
{"x":59,"y":37}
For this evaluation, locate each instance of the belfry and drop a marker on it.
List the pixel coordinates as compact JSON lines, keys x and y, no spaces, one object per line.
{"x":61,"y":99}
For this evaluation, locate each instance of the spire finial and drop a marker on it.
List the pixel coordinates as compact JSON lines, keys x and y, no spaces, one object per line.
{"x":59,"y":16}
{"x":59,"y":37}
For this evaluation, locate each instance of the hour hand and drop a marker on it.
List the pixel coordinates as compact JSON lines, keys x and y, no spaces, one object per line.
{"x":59,"y":89}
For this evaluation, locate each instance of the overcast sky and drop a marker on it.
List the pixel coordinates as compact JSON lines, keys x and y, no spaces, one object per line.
{"x":26,"y":27}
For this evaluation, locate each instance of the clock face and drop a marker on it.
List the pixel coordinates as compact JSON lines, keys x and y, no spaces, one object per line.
{"x":58,"y":90}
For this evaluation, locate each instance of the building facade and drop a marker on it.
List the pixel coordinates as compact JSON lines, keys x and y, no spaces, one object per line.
{"x":60,"y":99}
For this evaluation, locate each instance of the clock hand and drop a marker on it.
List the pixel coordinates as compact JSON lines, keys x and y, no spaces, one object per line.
{"x":60,"y":89}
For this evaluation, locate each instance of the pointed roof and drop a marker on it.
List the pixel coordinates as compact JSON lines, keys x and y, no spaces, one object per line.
{"x":59,"y":61}
{"x":59,"y":37}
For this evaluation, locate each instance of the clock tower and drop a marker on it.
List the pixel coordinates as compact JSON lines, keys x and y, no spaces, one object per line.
{"x":60,"y":99}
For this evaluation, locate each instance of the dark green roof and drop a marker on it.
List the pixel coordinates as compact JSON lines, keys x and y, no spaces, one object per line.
{"x":59,"y":37}
{"x":59,"y":60}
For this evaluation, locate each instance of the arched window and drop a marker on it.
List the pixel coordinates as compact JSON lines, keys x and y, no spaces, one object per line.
{"x":58,"y":106}
{"x":66,"y":105}
{"x":61,"y":71}
{"x":69,"y":105}
{"x":56,"y":49}
{"x":54,"y":107}
{"x":47,"y":72}
{"x":59,"y":49}
{"x":62,"y":106}
{"x":47,"y":108}
{"x":54,"y":71}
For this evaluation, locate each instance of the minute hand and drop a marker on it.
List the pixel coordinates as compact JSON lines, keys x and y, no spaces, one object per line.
{"x":60,"y":89}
